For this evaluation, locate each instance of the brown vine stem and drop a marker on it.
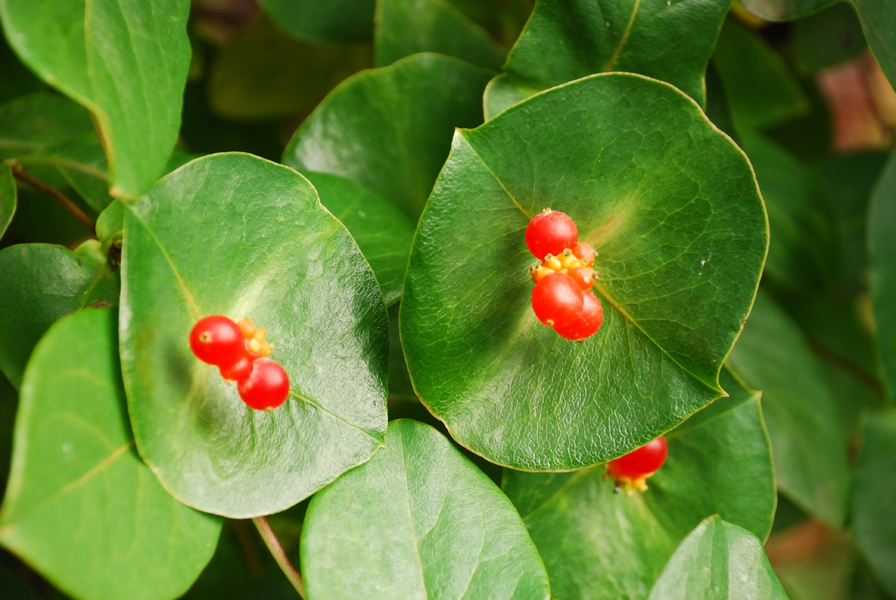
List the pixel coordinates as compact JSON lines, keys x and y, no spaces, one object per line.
{"x":273,"y":544}
{"x":19,"y":173}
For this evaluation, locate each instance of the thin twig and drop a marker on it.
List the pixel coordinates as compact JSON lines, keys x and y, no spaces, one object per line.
{"x":247,"y":545}
{"x":273,"y":544}
{"x":19,"y":172}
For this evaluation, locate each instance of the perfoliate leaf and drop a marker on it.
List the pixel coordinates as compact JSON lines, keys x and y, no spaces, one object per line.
{"x":427,"y":523}
{"x":81,"y":507}
{"x":236,"y":235}
{"x":41,"y":284}
{"x":329,"y":21}
{"x":671,"y":205}
{"x":568,"y":39}
{"x":882,"y":259}
{"x":717,"y":561}
{"x":7,"y":197}
{"x":125,"y":60}
{"x":597,"y":544}
{"x":808,"y":440}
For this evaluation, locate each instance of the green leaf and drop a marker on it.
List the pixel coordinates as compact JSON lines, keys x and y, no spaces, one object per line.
{"x":760,"y":88}
{"x":330,"y":21}
{"x":43,"y":283}
{"x":382,"y":231}
{"x":785,"y":10}
{"x":874,"y":497}
{"x":406,"y":27}
{"x":828,"y":38}
{"x":808,"y":441}
{"x":879,"y":23}
{"x":248,"y":238}
{"x":570,"y":39}
{"x":8,"y":403}
{"x":882,"y":266}
{"x":400,"y":387}
{"x":418,"y":521}
{"x":717,"y":561}
{"x":671,"y":205}
{"x":590,"y":538}
{"x":125,"y":60}
{"x":264,"y":73}
{"x":389,"y":129}
{"x":7,"y":197}
{"x":81,"y":507}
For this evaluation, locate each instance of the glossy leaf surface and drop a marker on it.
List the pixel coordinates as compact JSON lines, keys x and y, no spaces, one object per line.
{"x":406,"y":27}
{"x":41,"y":284}
{"x":568,"y":39}
{"x":330,"y":21}
{"x":428,"y":524}
{"x":874,"y":496}
{"x":808,"y":442}
{"x":389,"y":129}
{"x":785,"y":10}
{"x":236,"y":235}
{"x":382,"y":231}
{"x":598,"y":544}
{"x":718,"y":560}
{"x":882,"y":259}
{"x":125,"y":60}
{"x":672,"y":207}
{"x":81,"y":506}
{"x":7,"y":197}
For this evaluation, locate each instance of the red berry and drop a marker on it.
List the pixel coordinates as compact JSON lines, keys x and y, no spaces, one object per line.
{"x":238,"y":370}
{"x":557,"y":300}
{"x":585,"y":253}
{"x":550,"y":232}
{"x":587,"y":323}
{"x":217,"y":340}
{"x":643,"y":461}
{"x":584,"y":276}
{"x":266,"y":387}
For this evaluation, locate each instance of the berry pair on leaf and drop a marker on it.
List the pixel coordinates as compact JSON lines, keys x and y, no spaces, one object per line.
{"x":240,"y":352}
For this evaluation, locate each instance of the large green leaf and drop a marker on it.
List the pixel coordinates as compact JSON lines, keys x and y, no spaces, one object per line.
{"x":81,"y":507}
{"x":785,"y":10}
{"x":874,"y":496}
{"x":405,"y":27}
{"x":42,"y":283}
{"x":597,"y":544}
{"x":125,"y":60}
{"x":389,"y":129}
{"x":7,"y":197}
{"x":568,"y":39}
{"x":418,"y":521}
{"x":718,"y":561}
{"x":882,"y":259}
{"x":808,"y":441}
{"x":8,"y":404}
{"x":329,"y":21}
{"x":382,"y":231}
{"x":236,"y":235}
{"x":879,"y":22}
{"x":671,"y":205}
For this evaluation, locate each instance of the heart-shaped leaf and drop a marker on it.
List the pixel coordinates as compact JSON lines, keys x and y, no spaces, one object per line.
{"x":566,"y":40}
{"x":718,"y":560}
{"x":874,"y":496}
{"x":382,"y":231}
{"x":785,"y":10}
{"x":879,"y":23}
{"x":75,"y":280}
{"x":882,"y":267}
{"x":389,"y":129}
{"x":330,"y":21}
{"x":237,"y":235}
{"x":81,"y":507}
{"x":7,"y":197}
{"x":808,"y":441}
{"x":406,"y":27}
{"x":126,"y":61}
{"x":597,"y":544}
{"x":671,"y":205}
{"x":418,"y":521}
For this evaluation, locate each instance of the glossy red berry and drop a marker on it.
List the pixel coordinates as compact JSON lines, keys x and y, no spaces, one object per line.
{"x":550,"y":232}
{"x":557,"y":300}
{"x":238,"y":370}
{"x":641,"y":462}
{"x":588,"y":321}
{"x":266,"y":387}
{"x":217,"y":340}
{"x":585,"y":253}
{"x":584,"y":276}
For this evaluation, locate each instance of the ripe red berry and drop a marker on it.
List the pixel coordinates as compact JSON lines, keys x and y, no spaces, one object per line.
{"x":217,"y":340}
{"x":550,"y":232}
{"x":641,"y":462}
{"x":557,"y":300}
{"x":587,"y":322}
{"x":585,"y":253}
{"x":238,"y":370}
{"x":584,"y":276}
{"x":266,"y":387}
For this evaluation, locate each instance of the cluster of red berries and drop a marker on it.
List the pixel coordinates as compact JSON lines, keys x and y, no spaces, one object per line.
{"x":631,"y":471}
{"x":240,"y":352}
{"x":562,"y":298}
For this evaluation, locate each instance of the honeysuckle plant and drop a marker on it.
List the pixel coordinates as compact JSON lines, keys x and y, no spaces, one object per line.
{"x":493,"y":299}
